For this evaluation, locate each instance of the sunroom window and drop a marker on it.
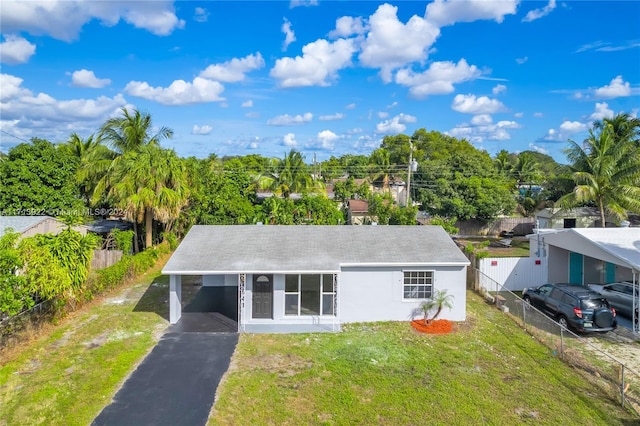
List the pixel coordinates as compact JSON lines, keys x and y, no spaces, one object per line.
{"x":309,"y":294}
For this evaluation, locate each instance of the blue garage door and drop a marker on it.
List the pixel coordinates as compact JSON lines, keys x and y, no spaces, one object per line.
{"x":575,"y":268}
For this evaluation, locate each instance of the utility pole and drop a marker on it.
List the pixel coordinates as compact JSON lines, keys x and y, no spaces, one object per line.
{"x":413,"y":166}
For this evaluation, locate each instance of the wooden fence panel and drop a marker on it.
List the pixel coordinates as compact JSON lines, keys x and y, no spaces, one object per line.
{"x":105,"y":258}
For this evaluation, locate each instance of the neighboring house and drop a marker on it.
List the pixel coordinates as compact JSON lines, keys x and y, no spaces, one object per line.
{"x":358,"y":212}
{"x":579,"y":217}
{"x":28,"y":226}
{"x":316,"y":278}
{"x":589,"y":255}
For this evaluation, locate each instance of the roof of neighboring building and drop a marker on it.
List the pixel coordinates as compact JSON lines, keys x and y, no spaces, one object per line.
{"x":358,"y":206}
{"x":616,"y":245}
{"x":300,"y":248}
{"x":21,"y":224}
{"x":103,"y":226}
{"x":574,"y":212}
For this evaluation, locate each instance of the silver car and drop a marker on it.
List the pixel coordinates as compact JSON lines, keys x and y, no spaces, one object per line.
{"x":620,"y":296}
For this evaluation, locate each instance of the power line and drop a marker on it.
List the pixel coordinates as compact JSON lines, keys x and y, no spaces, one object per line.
{"x":17,"y":137}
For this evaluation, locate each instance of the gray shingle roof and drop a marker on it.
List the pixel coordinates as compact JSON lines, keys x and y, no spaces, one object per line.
{"x":254,"y":248}
{"x":20,"y":223}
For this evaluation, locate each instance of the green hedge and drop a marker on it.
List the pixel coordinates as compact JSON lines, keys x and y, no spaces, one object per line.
{"x":126,"y":268}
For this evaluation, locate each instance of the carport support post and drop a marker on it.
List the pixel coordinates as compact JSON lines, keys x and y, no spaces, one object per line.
{"x":175,"y":298}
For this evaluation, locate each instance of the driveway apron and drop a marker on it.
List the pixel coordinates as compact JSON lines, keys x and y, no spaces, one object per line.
{"x":175,"y":384}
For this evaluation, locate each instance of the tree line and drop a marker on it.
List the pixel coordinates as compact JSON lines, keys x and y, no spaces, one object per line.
{"x":123,"y":167}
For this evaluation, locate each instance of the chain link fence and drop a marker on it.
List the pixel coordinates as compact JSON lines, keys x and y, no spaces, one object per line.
{"x":620,"y":381}
{"x":11,"y":326}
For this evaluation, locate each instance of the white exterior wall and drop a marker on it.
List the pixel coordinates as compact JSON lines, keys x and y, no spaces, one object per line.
{"x":512,"y":273}
{"x":376,"y":294}
{"x":281,"y":322}
{"x":558,"y":265}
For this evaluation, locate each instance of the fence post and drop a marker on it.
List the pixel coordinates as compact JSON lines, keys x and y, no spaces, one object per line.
{"x":562,"y":342}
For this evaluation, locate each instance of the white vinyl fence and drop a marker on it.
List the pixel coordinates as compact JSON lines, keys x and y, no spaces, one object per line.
{"x":513,"y":273}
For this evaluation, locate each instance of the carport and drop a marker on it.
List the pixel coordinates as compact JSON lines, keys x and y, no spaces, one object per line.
{"x":591,"y":256}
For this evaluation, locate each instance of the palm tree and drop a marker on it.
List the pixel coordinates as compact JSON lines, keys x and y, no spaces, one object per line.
{"x":625,"y":128}
{"x":291,"y":176}
{"x":439,"y":300}
{"x":93,"y":158}
{"x":147,"y":184}
{"x":131,"y":131}
{"x":606,"y":171}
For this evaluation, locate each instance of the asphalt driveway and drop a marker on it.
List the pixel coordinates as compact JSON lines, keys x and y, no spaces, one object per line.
{"x":175,"y":384}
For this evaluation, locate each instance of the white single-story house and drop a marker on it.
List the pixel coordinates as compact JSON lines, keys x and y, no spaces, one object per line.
{"x":315,"y":278}
{"x":578,"y":217}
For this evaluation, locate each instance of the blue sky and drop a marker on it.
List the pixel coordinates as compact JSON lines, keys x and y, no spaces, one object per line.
{"x":323,"y":77}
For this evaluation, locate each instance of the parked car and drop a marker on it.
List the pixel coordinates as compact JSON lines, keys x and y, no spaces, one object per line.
{"x":619,"y":295}
{"x":573,"y":306}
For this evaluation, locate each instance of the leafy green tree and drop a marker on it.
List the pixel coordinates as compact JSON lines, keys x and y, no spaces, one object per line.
{"x":15,"y":295}
{"x":606,"y":172}
{"x":221,"y":194}
{"x":347,"y":189}
{"x":317,"y":210}
{"x":454,"y":179}
{"x":131,"y":131}
{"x":332,"y":169}
{"x":381,"y":208}
{"x":403,"y":215}
{"x":39,"y":178}
{"x":380,"y":167}
{"x":57,"y":266}
{"x":355,"y":165}
{"x":276,"y":211}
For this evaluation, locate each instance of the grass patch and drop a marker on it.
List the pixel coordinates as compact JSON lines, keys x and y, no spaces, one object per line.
{"x":487,"y":372}
{"x":67,"y":374}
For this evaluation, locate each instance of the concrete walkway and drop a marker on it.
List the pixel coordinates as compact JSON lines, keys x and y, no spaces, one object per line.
{"x":175,"y":384}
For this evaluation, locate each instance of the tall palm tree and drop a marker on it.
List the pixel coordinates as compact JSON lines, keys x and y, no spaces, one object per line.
{"x":119,"y":175}
{"x":625,"y":128}
{"x":94,"y":158}
{"x":606,"y":171}
{"x":131,"y":131}
{"x":149,"y":183}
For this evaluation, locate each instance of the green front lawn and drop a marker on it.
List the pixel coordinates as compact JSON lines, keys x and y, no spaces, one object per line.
{"x":488,"y":372}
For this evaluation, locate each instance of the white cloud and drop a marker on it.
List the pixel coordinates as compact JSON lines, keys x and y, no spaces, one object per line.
{"x":601,"y":111}
{"x":252,"y":114}
{"x":499,"y":88}
{"x":383,"y":114}
{"x":45,"y":116}
{"x":331,"y":117}
{"x":247,"y":104}
{"x":289,"y":35}
{"x":233,"y":70}
{"x":63,"y":20}
{"x":201,"y":14}
{"x":566,"y":130}
{"x":201,"y":130}
{"x":15,"y":50}
{"x":86,"y":78}
{"x":538,"y":114}
{"x":319,"y":63}
{"x":390,"y":44}
{"x":392,"y":105}
{"x":617,"y":88}
{"x":347,"y":26}
{"x":395,"y":125}
{"x":288,"y":120}
{"x":438,"y":79}
{"x":350,"y":106}
{"x":179,"y":92}
{"x":539,"y":149}
{"x":534,"y":14}
{"x":469,"y":104}
{"x":518,"y":115}
{"x":442,"y":12}
{"x":326,"y":140}
{"x":305,"y":3}
{"x":522,"y":60}
{"x":481,"y":119}
{"x":482,"y":128}
{"x":289,"y":140}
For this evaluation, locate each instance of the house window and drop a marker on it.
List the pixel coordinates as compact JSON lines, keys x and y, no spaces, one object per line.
{"x":309,"y":294}
{"x":418,"y":284}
